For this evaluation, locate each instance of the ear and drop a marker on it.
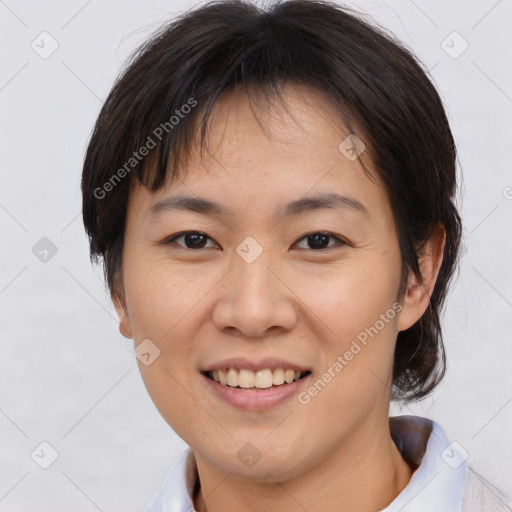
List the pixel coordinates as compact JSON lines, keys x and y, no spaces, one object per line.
{"x":417,"y":296}
{"x":124,"y":319}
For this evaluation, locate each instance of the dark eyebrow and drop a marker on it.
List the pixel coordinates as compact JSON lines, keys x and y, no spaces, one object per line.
{"x":208,"y":207}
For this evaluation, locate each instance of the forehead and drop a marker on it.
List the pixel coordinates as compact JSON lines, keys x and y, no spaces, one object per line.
{"x":261,"y":150}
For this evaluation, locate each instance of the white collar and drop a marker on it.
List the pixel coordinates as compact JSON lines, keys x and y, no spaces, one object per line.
{"x":436,"y":485}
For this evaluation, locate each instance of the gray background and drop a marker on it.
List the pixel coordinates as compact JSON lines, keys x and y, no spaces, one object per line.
{"x":69,"y":378}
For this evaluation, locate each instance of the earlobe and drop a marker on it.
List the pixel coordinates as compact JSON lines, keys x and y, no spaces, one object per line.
{"x":417,"y":296}
{"x":124,"y":319}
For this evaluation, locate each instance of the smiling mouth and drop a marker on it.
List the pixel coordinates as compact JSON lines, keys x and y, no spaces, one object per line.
{"x":259,"y":380}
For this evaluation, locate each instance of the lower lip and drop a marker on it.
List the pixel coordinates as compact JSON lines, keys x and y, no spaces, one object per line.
{"x":252,"y":399}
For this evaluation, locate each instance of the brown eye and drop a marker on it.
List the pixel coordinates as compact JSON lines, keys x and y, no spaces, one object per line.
{"x":320,"y":240}
{"x":195,"y":240}
{"x":191,"y":240}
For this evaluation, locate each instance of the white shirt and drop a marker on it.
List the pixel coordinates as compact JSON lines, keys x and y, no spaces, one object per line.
{"x":442,"y":482}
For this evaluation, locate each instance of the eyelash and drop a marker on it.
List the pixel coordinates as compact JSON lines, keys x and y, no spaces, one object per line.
{"x":173,"y":238}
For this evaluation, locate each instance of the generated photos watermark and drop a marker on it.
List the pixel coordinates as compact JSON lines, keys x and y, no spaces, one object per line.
{"x":143,"y":151}
{"x":304,"y":397}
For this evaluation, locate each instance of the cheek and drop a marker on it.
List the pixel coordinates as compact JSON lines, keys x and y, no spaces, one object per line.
{"x":352,"y":296}
{"x":164,"y":307}
{"x":160,"y":296}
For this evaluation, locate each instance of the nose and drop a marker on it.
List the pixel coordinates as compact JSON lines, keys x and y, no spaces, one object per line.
{"x":255,"y":300}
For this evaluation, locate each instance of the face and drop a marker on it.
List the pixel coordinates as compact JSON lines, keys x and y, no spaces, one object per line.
{"x":257,"y":286}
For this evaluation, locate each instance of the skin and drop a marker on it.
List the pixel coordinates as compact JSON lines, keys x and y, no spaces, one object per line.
{"x":294,"y":301}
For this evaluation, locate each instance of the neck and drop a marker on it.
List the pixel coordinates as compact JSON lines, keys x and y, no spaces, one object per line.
{"x":364,"y":475}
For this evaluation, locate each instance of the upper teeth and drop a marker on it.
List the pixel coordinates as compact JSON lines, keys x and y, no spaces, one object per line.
{"x":259,"y":379}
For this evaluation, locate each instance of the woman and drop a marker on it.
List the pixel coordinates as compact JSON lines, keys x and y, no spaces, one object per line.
{"x":284,"y":285}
